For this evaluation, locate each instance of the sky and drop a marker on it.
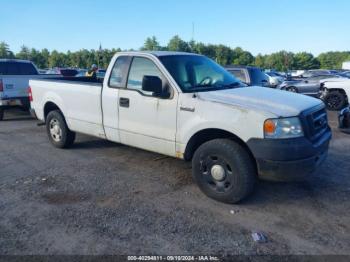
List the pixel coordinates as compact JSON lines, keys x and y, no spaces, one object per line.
{"x":258,"y":26}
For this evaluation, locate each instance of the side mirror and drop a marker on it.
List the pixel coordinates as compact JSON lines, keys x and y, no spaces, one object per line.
{"x":152,"y":84}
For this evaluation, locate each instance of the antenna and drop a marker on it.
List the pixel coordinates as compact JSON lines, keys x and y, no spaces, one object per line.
{"x":192,"y":30}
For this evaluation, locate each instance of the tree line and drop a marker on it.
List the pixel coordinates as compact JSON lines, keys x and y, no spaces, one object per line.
{"x":224,"y":55}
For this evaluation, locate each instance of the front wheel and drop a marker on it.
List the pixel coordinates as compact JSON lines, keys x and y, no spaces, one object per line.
{"x":224,"y":170}
{"x":335,"y":100}
{"x":57,"y":130}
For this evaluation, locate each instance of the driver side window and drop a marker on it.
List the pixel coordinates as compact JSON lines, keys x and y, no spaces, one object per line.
{"x":139,"y":68}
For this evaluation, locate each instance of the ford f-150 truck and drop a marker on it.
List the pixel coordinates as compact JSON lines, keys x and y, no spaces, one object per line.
{"x":187,"y":106}
{"x":14,"y":81}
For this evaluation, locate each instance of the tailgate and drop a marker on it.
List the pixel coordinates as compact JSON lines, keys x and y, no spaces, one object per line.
{"x":15,"y":86}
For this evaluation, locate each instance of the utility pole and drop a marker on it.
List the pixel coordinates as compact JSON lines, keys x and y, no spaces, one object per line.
{"x":99,"y":55}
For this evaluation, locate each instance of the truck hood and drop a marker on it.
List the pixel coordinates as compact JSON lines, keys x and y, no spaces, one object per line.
{"x":335,"y":79}
{"x":280,"y":103}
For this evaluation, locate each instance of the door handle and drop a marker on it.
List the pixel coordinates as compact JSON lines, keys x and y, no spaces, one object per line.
{"x":124,"y":102}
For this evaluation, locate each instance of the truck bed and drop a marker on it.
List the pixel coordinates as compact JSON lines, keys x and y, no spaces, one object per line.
{"x":78,"y":97}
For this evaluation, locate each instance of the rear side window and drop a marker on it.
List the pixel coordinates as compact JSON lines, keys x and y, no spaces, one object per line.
{"x":17,"y":68}
{"x":119,"y":72}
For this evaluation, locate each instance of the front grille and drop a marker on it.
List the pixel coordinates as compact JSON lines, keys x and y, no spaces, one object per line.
{"x":315,"y":123}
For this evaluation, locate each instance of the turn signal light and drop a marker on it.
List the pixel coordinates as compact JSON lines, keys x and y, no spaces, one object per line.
{"x":269,"y":127}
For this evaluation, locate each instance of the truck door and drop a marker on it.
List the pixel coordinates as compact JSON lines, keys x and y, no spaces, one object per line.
{"x":110,"y":102}
{"x":146,"y":121}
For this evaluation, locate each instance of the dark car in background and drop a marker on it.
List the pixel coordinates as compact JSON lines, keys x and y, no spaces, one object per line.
{"x":250,"y":75}
{"x":307,"y":86}
{"x":63,"y":71}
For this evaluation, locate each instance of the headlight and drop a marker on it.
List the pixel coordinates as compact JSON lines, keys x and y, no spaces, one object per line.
{"x":283,"y":128}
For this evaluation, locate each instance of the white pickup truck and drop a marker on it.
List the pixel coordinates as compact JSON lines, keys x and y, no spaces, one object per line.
{"x":335,"y":92}
{"x":14,"y":82}
{"x":187,"y":106}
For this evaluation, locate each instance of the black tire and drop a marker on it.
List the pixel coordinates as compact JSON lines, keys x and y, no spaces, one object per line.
{"x":239,"y":170}
{"x":1,"y":114}
{"x":57,"y":130}
{"x":346,"y":122}
{"x":335,"y":100}
{"x":292,"y":89}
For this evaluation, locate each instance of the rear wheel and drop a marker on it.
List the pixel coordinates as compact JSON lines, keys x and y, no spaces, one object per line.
{"x":1,"y":114}
{"x":57,"y":130}
{"x":346,"y":121}
{"x":224,"y":170}
{"x":292,"y":89}
{"x":335,"y":100}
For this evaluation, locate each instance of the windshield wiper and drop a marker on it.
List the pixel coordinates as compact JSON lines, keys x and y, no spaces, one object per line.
{"x":232,"y":85}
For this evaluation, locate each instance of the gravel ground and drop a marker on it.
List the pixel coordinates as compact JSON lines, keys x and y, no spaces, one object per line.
{"x":105,"y":198}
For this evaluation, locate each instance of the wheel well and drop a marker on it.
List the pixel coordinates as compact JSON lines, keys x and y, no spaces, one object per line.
{"x":206,"y":135}
{"x":50,"y":106}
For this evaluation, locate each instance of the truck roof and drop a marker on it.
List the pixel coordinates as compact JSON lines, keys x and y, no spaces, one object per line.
{"x":15,"y":60}
{"x":159,"y":53}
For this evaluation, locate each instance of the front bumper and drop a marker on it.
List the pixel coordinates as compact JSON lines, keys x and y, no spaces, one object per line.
{"x":289,"y":159}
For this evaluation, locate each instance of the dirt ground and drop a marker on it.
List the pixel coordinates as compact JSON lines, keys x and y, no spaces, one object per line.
{"x":105,"y":198}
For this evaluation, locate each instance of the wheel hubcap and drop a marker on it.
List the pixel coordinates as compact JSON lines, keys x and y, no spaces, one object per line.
{"x":218,"y":172}
{"x":55,"y":130}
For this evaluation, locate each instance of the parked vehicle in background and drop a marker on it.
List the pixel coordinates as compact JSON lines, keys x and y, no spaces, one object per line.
{"x":335,"y":93}
{"x":63,"y":71}
{"x":296,"y":73}
{"x":345,"y":74}
{"x":344,"y":120}
{"x":346,"y":65}
{"x":187,"y":106}
{"x":308,"y":86}
{"x":101,"y":73}
{"x":14,"y":82}
{"x":81,"y":72}
{"x":275,"y":79}
{"x":42,"y":71}
{"x":249,"y":75}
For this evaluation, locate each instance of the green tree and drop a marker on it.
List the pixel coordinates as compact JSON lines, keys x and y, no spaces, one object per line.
{"x":45,"y":54}
{"x":223,"y":54}
{"x":241,"y":57}
{"x":57,"y":59}
{"x":151,"y":44}
{"x":281,"y":61}
{"x":5,"y":51}
{"x":24,"y":53}
{"x":333,"y":60}
{"x":177,"y":44}
{"x":260,"y":61}
{"x":305,"y":61}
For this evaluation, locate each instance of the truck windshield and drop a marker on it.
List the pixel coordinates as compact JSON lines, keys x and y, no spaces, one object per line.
{"x":198,"y":73}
